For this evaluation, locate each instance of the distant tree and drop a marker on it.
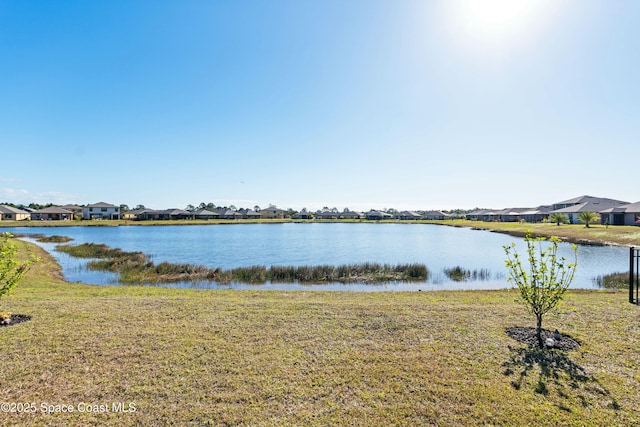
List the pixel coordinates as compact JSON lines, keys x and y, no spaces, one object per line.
{"x":559,"y":218}
{"x":543,"y":285}
{"x":124,"y":208}
{"x":256,"y":208}
{"x":233,"y":208}
{"x":139,"y":207}
{"x":190,"y":208}
{"x":588,"y":217}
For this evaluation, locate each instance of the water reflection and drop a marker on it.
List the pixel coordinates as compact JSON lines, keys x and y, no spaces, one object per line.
{"x":243,"y":245}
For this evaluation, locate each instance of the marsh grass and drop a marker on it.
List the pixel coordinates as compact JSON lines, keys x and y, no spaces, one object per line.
{"x":365,"y":273}
{"x":460,"y":274}
{"x":45,"y":239}
{"x":137,"y":268}
{"x":273,"y":358}
{"x":612,"y":281}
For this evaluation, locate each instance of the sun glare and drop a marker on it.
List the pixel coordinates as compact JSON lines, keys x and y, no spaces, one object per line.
{"x":496,"y":22}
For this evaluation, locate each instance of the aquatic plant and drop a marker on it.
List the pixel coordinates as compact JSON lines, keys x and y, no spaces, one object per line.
{"x":612,"y":281}
{"x":136,"y":267}
{"x":460,"y":274}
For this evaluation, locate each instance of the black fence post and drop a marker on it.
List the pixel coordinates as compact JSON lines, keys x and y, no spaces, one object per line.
{"x":633,"y":272}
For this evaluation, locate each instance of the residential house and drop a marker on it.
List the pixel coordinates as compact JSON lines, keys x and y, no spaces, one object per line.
{"x":377,"y":215}
{"x":436,"y":215}
{"x":9,"y":213}
{"x":206,"y":214}
{"x":228,"y":214}
{"x":101,"y":211}
{"x":628,"y":214}
{"x":135,"y":214}
{"x":327,"y":214}
{"x":273,"y":213}
{"x":479,"y":215}
{"x":169,"y":214}
{"x":249,"y":214}
{"x":537,"y":214}
{"x":53,"y":213}
{"x":573,"y":207}
{"x":74,"y":209}
{"x":303,"y":214}
{"x":347,"y":214}
{"x":408,"y":216}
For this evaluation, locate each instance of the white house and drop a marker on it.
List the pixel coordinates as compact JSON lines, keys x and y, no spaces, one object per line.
{"x":101,"y":211}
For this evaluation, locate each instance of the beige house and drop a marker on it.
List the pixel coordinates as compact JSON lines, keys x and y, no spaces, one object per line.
{"x":9,"y":213}
{"x":273,"y":213}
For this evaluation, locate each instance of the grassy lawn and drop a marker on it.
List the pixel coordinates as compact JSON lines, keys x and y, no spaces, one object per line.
{"x":271,"y":358}
{"x":578,"y":233}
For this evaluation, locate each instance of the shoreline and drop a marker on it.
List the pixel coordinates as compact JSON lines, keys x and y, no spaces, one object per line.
{"x":595,"y":235}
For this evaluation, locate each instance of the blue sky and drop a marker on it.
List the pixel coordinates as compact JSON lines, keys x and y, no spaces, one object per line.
{"x":361,"y":104}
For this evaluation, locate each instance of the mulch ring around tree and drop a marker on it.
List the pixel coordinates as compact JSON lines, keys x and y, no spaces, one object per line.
{"x":528,"y":336}
{"x":15,"y":319}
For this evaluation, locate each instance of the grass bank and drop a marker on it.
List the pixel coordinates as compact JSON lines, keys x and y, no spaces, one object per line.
{"x":575,"y":233}
{"x":270,"y":358}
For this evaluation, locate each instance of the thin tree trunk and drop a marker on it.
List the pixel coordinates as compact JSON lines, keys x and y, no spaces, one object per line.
{"x":539,"y":330}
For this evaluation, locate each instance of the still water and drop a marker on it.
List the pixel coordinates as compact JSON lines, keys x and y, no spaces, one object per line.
{"x":243,"y":245}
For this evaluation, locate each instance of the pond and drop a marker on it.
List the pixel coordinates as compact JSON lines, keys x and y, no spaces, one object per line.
{"x":295,"y":244}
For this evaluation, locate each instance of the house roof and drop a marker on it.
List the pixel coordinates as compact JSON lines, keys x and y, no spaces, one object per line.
{"x":205,"y":212}
{"x":140,"y":211}
{"x":590,"y":199}
{"x":249,"y":212}
{"x":228,"y":212}
{"x":101,"y":205}
{"x":593,"y":205}
{"x":435,"y":213}
{"x":176,"y":212}
{"x":10,"y":209}
{"x":54,"y":210}
{"x":629,"y":208}
{"x":70,"y":207}
{"x":410,"y":213}
{"x":379,"y":213}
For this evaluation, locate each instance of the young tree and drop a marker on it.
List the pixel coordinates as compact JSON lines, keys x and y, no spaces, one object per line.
{"x":543,"y":284}
{"x":559,"y":218}
{"x":588,"y":217}
{"x":11,"y":271}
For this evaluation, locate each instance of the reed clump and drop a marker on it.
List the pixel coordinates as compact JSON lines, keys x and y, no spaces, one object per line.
{"x":612,"y":281}
{"x":136,"y":267}
{"x":348,"y":273}
{"x":460,"y":274}
{"x":46,"y":239}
